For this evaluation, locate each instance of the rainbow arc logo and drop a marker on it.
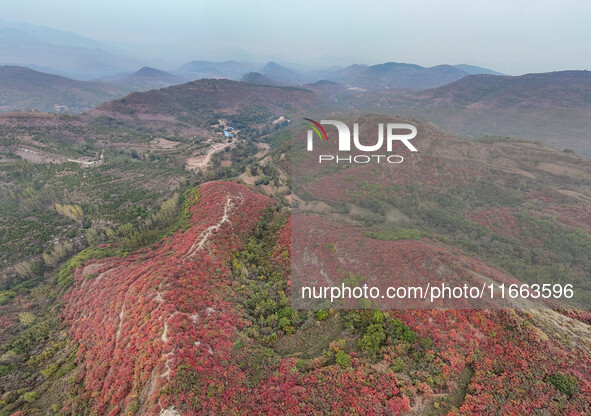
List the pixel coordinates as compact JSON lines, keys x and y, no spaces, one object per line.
{"x":316,"y":126}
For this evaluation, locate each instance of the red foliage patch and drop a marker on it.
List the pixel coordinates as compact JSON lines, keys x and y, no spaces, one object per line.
{"x":145,"y":314}
{"x":158,"y":329}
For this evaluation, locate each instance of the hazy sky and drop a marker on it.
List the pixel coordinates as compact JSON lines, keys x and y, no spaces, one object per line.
{"x":511,"y":36}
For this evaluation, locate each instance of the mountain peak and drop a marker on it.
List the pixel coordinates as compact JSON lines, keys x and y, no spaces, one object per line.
{"x":148,"y":71}
{"x":148,"y":78}
{"x":257,"y":78}
{"x":272,"y":65}
{"x":282,"y":74}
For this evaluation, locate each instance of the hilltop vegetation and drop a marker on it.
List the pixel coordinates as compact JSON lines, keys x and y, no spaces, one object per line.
{"x":194,"y":100}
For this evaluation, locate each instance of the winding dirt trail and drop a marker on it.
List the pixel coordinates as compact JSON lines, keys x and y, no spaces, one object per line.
{"x":200,"y":162}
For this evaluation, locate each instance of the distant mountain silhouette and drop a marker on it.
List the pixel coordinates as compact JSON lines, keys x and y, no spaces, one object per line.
{"x":475,"y":70}
{"x":564,"y":89}
{"x":282,"y":74}
{"x":375,"y":77}
{"x":400,"y":75}
{"x":257,"y":78}
{"x":148,"y":78}
{"x":205,"y":69}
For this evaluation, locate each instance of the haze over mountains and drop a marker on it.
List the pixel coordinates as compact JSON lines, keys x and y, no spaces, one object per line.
{"x":206,"y":69}
{"x":61,"y":53}
{"x":144,"y":79}
{"x":41,"y":64}
{"x":112,"y":71}
{"x":71,"y":55}
{"x":20,"y":88}
{"x":374,"y":77}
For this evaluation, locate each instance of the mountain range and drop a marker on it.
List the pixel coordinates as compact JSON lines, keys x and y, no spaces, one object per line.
{"x":23,"y":88}
{"x":68,"y":54}
{"x":563,"y":89}
{"x":551,"y":107}
{"x":374,"y":77}
{"x":19,"y":86}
